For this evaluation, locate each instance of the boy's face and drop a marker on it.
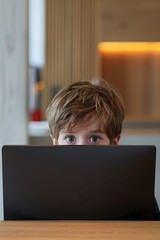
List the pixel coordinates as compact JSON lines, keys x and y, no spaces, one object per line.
{"x":90,"y":134}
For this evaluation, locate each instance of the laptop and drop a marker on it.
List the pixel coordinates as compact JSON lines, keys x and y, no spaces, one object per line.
{"x":78,"y":182}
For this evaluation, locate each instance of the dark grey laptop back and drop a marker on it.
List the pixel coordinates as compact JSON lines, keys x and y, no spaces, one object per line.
{"x":78,"y":182}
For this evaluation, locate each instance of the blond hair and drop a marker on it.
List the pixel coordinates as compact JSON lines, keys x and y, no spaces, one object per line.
{"x":81,"y":102}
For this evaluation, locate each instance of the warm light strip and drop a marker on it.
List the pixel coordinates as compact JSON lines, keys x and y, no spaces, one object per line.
{"x":129,"y":47}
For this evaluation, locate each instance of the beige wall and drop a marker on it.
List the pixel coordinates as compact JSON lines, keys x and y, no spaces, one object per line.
{"x":13,"y":72}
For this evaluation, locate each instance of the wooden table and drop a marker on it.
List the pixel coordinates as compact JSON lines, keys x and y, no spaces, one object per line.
{"x":112,"y":230}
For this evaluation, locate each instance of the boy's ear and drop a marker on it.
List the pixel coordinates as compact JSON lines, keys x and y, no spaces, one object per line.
{"x":54,"y":140}
{"x":116,"y":140}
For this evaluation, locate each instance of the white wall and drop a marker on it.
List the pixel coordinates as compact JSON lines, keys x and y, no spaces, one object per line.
{"x":13,"y":82}
{"x":36,"y":33}
{"x":146,"y":138}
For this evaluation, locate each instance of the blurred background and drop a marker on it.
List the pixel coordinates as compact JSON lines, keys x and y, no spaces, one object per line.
{"x":46,"y":44}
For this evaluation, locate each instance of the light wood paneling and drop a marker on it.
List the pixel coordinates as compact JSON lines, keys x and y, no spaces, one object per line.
{"x":134,"y":68}
{"x":124,"y":20}
{"x":13,"y":72}
{"x":72,"y":35}
{"x":138,"y":78}
{"x":73,"y":30}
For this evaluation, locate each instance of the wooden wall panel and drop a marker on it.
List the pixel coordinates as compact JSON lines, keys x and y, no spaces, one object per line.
{"x":73,"y":30}
{"x":138,"y":78}
{"x":72,"y":35}
{"x":124,"y":20}
{"x":137,"y":75}
{"x":13,"y":72}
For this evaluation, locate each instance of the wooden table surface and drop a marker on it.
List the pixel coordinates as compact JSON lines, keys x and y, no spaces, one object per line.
{"x":80,"y":230}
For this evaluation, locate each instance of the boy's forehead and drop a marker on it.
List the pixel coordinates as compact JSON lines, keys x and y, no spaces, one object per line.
{"x":91,"y":125}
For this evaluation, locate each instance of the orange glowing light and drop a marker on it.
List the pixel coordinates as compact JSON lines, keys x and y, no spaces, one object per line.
{"x":125,"y":47}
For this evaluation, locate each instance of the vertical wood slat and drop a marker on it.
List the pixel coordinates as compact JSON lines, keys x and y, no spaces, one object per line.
{"x":72,"y":35}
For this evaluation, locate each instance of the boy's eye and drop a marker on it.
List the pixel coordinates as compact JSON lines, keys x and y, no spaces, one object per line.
{"x":70,"y":139}
{"x":94,"y":139}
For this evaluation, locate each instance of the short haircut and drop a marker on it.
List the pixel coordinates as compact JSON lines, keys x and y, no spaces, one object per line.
{"x":81,"y":102}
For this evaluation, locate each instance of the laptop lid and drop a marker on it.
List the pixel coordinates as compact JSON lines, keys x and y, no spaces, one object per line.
{"x":78,"y":182}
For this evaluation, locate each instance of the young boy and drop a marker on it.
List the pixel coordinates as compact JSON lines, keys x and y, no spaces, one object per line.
{"x":87,"y":113}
